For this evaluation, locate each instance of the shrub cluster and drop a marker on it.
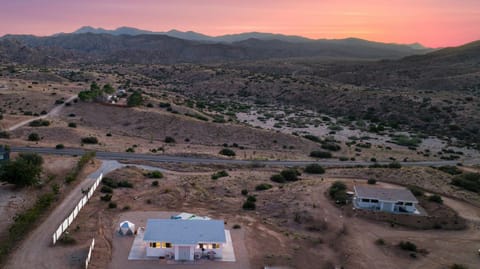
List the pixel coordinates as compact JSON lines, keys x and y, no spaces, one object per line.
{"x":89,"y":140}
{"x":227,"y":152}
{"x":39,"y":123}
{"x":220,"y":174}
{"x":320,"y":154}
{"x":285,"y":175}
{"x":468,"y":181}
{"x":314,"y":169}
{"x":338,"y":192}
{"x":72,"y":176}
{"x":153,"y":174}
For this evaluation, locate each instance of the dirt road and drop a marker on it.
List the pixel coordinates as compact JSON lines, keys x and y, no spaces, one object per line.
{"x":37,"y":247}
{"x":54,"y":112}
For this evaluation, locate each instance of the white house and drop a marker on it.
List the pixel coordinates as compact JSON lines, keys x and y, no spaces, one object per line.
{"x":383,"y":199}
{"x":184,"y":239}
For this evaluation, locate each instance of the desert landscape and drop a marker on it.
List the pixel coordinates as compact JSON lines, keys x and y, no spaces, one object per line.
{"x":250,"y":150}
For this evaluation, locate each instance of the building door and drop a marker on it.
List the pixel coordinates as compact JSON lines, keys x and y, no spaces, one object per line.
{"x":184,"y":253}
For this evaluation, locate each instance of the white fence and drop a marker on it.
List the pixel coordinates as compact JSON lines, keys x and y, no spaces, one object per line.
{"x":64,"y":225}
{"x":89,"y":255}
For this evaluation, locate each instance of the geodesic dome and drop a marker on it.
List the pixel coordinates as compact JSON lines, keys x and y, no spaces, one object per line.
{"x":126,"y":228}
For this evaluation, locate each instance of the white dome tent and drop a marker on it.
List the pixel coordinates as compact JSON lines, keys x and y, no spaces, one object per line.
{"x":126,"y":228}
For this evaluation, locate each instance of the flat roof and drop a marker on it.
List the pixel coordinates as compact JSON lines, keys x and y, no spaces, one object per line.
{"x":185,"y":232}
{"x":385,"y":194}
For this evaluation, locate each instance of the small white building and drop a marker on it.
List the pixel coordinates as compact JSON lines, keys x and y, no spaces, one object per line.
{"x":184,"y":240}
{"x":383,"y":199}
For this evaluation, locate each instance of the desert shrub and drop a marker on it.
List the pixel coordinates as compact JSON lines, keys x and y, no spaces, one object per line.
{"x":106,"y":197}
{"x":107,"y":181}
{"x":220,"y":174}
{"x":416,"y":190}
{"x":87,"y":157}
{"x":249,"y":205}
{"x":436,"y":199}
{"x":154,"y":174}
{"x":263,"y":186}
{"x":24,"y":171}
{"x":125,"y":208}
{"x":135,"y":99}
{"x":278,"y":178}
{"x":39,"y":123}
{"x":452,"y":170}
{"x":244,"y":192}
{"x":408,"y":246}
{"x":338,"y":192}
{"x":314,"y":169}
{"x":125,"y":184}
{"x":4,"y":135}
{"x":394,"y":165}
{"x":72,"y":125}
{"x":67,"y":239}
{"x":458,"y":266}
{"x":468,"y":181}
{"x":33,"y":137}
{"x":251,"y":198}
{"x":89,"y":140}
{"x":320,"y":154}
{"x":313,"y":138}
{"x":290,"y":174}
{"x":169,"y":140}
{"x":106,"y":189}
{"x":236,"y":226}
{"x":380,"y":241}
{"x":155,"y":183}
{"x":130,"y":150}
{"x":406,"y":141}
{"x":112,"y":205}
{"x":331,"y":146}
{"x":227,"y":152}
{"x":59,"y":146}
{"x":372,"y":181}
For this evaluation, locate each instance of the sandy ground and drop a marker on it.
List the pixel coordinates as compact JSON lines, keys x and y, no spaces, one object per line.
{"x":121,"y":246}
{"x":270,"y":232}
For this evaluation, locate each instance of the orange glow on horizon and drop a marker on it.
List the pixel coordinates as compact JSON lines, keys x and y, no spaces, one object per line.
{"x":434,"y":23}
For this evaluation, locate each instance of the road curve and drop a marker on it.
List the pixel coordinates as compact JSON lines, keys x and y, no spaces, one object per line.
{"x":103,"y":155}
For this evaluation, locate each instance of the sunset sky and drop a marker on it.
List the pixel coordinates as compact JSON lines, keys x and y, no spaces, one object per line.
{"x":434,"y":23}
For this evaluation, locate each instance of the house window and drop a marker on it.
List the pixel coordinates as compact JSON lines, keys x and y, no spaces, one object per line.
{"x":408,"y":204}
{"x":216,"y":246}
{"x":168,"y":245}
{"x":366,"y":200}
{"x":374,"y":201}
{"x":153,"y":244}
{"x":399,"y":203}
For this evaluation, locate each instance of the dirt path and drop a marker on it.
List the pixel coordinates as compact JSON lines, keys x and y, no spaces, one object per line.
{"x":37,"y":247}
{"x":53,"y":113}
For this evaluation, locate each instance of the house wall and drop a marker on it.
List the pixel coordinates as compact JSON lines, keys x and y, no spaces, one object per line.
{"x":218,"y":251}
{"x":161,"y":252}
{"x":386,"y":206}
{"x":158,"y":252}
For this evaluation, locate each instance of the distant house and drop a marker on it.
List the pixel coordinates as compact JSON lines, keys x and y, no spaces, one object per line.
{"x":4,"y":154}
{"x":184,"y":240}
{"x":383,"y":199}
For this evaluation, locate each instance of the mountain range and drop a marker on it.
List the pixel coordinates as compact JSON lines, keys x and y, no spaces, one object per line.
{"x":230,"y":38}
{"x":129,"y":45}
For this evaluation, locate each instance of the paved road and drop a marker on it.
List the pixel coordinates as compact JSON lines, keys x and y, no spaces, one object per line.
{"x":54,"y":112}
{"x":205,"y":160}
